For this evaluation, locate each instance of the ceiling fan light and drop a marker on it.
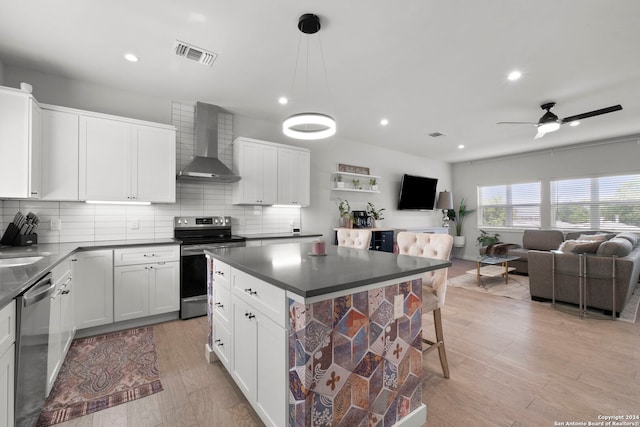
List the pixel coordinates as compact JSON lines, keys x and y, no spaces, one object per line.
{"x":548,"y":127}
{"x":309,"y":126}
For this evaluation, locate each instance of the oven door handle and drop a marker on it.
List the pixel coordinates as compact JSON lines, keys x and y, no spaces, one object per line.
{"x":186,"y":251}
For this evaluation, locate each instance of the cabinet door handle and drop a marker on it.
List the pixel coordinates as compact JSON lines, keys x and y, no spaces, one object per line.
{"x":219,"y":273}
{"x":249,"y":315}
{"x":219,"y":342}
{"x":219,"y":304}
{"x":251,"y":291}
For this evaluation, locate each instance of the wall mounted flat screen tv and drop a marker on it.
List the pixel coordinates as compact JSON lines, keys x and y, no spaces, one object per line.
{"x":417,"y":192}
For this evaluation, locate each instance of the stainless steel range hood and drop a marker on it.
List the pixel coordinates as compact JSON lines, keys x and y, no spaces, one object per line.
{"x":206,"y":166}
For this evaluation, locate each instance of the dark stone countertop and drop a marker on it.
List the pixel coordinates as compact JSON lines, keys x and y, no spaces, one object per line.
{"x":16,"y":280}
{"x":290,"y":267}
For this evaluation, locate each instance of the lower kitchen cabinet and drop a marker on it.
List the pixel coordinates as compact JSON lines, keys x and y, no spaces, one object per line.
{"x":93,"y":286}
{"x":61,"y":321}
{"x":7,"y":364}
{"x":146,"y":290}
{"x":143,"y":288}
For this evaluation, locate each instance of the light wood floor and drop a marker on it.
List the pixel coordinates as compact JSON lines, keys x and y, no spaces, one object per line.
{"x":512,"y":363}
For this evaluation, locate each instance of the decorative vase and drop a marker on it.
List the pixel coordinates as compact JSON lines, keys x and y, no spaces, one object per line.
{"x":458,"y":241}
{"x":343,"y":222}
{"x":373,"y":187}
{"x":339,"y":184}
{"x":377,"y":223}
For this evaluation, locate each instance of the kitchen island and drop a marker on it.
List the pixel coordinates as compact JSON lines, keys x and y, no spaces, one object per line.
{"x":321,"y":340}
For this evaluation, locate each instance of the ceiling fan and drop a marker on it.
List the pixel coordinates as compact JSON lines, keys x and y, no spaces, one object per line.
{"x":549,"y":122}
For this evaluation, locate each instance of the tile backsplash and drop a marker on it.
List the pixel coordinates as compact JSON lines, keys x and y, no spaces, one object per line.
{"x":85,"y":222}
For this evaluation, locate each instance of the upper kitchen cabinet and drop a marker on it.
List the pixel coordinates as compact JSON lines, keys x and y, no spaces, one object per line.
{"x":126,"y":160}
{"x":59,"y":154}
{"x":294,"y":171}
{"x":20,"y":144}
{"x":257,"y":163}
{"x":271,"y":173}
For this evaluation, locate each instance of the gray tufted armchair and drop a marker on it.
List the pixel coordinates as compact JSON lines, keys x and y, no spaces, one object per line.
{"x":434,"y":283}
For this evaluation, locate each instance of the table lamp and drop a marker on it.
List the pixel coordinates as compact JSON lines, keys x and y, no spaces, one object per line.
{"x":445,"y":202}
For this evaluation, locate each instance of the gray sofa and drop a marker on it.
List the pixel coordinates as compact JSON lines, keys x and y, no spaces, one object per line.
{"x":543,"y":240}
{"x":599,"y":257}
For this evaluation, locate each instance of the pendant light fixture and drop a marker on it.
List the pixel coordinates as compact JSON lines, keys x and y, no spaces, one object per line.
{"x":309,"y":125}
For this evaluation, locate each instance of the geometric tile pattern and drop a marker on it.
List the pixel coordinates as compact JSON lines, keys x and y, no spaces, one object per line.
{"x":351,"y":363}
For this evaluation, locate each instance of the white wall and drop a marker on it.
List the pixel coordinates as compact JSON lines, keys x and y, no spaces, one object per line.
{"x":612,"y":156}
{"x":322,"y":215}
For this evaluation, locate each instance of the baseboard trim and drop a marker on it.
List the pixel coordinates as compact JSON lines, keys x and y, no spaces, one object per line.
{"x":209,"y":354}
{"x":416,"y":418}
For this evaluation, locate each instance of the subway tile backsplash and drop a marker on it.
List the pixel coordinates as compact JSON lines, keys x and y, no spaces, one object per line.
{"x":85,"y":222}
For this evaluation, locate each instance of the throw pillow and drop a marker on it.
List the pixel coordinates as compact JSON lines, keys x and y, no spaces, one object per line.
{"x":633,"y":238}
{"x":580,"y":246}
{"x":593,"y":237}
{"x":616,"y":246}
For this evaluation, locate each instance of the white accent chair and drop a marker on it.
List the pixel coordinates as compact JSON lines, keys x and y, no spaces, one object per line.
{"x":354,"y":238}
{"x":434,"y":283}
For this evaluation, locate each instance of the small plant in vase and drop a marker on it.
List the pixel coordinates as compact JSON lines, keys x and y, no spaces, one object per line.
{"x":373,"y":184}
{"x":345,"y":214}
{"x":375,"y":214}
{"x":486,"y":239}
{"x":356,"y":184}
{"x":337,"y":180}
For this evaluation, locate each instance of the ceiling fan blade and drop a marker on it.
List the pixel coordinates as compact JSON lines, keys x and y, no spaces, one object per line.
{"x":592,"y":113}
{"x":539,"y":135}
{"x":517,"y":123}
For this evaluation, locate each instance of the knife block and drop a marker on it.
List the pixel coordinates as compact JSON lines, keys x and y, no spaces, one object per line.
{"x":12,"y":237}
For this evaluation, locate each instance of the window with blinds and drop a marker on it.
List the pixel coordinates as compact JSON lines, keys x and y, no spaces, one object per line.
{"x":509,"y":205}
{"x":601,"y":203}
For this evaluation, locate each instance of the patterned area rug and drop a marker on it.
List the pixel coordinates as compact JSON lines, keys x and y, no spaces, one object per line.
{"x":517,"y":288}
{"x":103,"y":371}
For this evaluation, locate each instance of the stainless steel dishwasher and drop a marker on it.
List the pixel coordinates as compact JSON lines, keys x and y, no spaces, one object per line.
{"x":32,"y":345}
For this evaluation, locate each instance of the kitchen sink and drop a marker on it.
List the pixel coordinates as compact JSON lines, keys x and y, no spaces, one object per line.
{"x":16,"y":260}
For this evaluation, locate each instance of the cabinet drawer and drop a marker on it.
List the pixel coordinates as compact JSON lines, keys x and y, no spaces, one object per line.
{"x":222,"y":305}
{"x":146,"y":254}
{"x":7,"y":326}
{"x":263,"y":296}
{"x":222,"y":344}
{"x":221,"y":274}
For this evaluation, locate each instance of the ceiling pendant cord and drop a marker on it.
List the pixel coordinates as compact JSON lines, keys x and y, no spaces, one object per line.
{"x":309,"y":125}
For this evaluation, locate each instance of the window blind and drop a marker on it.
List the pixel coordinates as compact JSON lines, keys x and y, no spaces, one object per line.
{"x":509,"y":205}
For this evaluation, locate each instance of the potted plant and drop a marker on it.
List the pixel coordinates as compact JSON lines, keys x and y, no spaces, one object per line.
{"x":373,"y":184}
{"x":337,"y":180}
{"x":356,"y":184}
{"x":458,"y":217}
{"x":345,"y":214}
{"x":376,"y":214}
{"x":486,"y":239}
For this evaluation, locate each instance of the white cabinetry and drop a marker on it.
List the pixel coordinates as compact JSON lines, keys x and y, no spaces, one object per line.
{"x":59,"y":154}
{"x":146,"y":281}
{"x":7,"y":364}
{"x":93,"y":286}
{"x":126,"y":161}
{"x":221,"y":309}
{"x":257,"y":163}
{"x":61,"y":321}
{"x":20,"y":144}
{"x":259,"y":345}
{"x":294,"y":171}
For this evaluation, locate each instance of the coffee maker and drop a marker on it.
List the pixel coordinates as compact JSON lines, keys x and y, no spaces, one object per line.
{"x":361,"y":219}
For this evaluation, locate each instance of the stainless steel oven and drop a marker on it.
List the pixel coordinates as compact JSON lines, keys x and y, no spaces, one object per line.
{"x":198,"y":234}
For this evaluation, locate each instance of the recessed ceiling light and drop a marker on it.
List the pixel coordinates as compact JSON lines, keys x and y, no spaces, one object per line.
{"x":574,"y":123}
{"x":514,"y":75}
{"x":460,"y":147}
{"x":131,"y":57}
{"x":283,"y":100}
{"x":384,"y":122}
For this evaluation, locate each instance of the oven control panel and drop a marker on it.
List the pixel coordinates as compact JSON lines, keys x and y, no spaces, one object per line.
{"x":202,"y":221}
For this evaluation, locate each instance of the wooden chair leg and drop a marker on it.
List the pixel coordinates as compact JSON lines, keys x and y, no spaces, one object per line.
{"x":439,"y":343}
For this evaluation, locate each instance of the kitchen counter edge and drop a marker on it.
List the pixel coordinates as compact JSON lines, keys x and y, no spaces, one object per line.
{"x":57,"y":252}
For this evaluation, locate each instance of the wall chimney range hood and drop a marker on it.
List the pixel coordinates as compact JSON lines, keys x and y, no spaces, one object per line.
{"x":206,"y":166}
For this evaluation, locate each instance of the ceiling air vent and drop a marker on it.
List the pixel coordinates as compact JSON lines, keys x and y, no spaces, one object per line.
{"x":194,"y":53}
{"x":436,"y":134}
